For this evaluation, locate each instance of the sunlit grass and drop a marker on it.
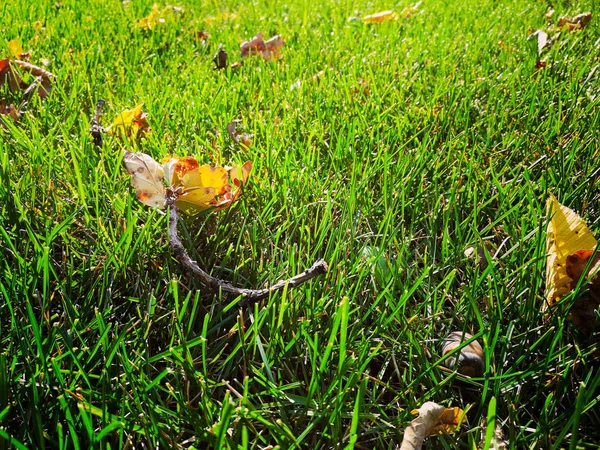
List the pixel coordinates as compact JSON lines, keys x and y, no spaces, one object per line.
{"x":413,"y":139}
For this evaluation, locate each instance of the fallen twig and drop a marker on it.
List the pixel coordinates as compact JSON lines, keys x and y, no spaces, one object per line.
{"x":249,"y":296}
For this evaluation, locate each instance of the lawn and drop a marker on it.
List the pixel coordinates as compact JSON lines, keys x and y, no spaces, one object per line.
{"x":387,"y":149}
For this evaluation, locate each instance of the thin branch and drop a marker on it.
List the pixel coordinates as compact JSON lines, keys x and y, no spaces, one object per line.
{"x":249,"y":296}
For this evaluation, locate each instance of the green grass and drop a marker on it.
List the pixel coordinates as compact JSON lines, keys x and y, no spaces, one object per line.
{"x":453,"y":138}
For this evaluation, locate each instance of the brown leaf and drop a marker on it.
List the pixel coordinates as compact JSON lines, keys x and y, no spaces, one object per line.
{"x":257,"y":46}
{"x":220,"y":58}
{"x":238,"y":137}
{"x":578,"y":22}
{"x":10,"y":110}
{"x":96,"y":130}
{"x":8,"y":74}
{"x":15,"y":82}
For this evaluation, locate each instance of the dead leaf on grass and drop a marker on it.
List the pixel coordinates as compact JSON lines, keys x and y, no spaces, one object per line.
{"x":131,"y":122}
{"x":570,"y":248}
{"x":383,"y":16}
{"x":258,"y":46}
{"x":578,"y":22}
{"x":433,"y":419}
{"x":220,"y":58}
{"x":243,"y":139}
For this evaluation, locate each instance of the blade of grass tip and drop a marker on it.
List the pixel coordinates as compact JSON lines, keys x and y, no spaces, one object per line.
{"x":577,"y":416}
{"x":264,"y":358}
{"x":491,"y":424}
{"x":329,"y":347}
{"x":226,"y":412}
{"x":343,"y":335}
{"x":70,"y":421}
{"x":4,"y":435}
{"x":362,"y":387}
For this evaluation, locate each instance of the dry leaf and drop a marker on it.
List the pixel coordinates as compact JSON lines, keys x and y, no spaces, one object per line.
{"x":540,"y":64}
{"x":379,"y":17}
{"x":433,"y":419}
{"x":131,"y":122}
{"x":576,"y":23}
{"x":96,"y":130}
{"x":15,"y":82}
{"x":549,"y":14}
{"x":569,"y":246}
{"x":566,"y":234}
{"x":147,"y":178}
{"x":237,"y":136}
{"x":220,"y":58}
{"x":16,"y":51}
{"x":10,"y":110}
{"x":542,"y":39}
{"x":409,"y":11}
{"x":257,"y":45}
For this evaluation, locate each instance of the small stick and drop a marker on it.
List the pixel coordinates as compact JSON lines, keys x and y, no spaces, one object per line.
{"x":249,"y":296}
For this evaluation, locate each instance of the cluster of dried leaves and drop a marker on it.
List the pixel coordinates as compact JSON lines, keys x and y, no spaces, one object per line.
{"x":565,"y":24}
{"x":11,"y":71}
{"x":189,"y":186}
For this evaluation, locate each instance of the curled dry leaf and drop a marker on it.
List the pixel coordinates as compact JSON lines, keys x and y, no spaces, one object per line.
{"x":237,"y":136}
{"x":433,"y":419}
{"x":410,"y":10}
{"x":258,"y":46}
{"x":96,"y":129}
{"x":9,"y":74}
{"x":569,"y":246}
{"x":578,"y":22}
{"x":131,"y":122}
{"x":383,"y":16}
{"x":470,"y":360}
{"x":220,"y":58}
{"x":192,"y":187}
{"x":542,"y":39}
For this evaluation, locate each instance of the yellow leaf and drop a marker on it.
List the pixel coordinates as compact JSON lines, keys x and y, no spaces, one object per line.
{"x":567,"y":233}
{"x":381,"y":17}
{"x":201,"y":186}
{"x":15,"y":49}
{"x":147,"y":178}
{"x":152,"y":19}
{"x":131,"y":122}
